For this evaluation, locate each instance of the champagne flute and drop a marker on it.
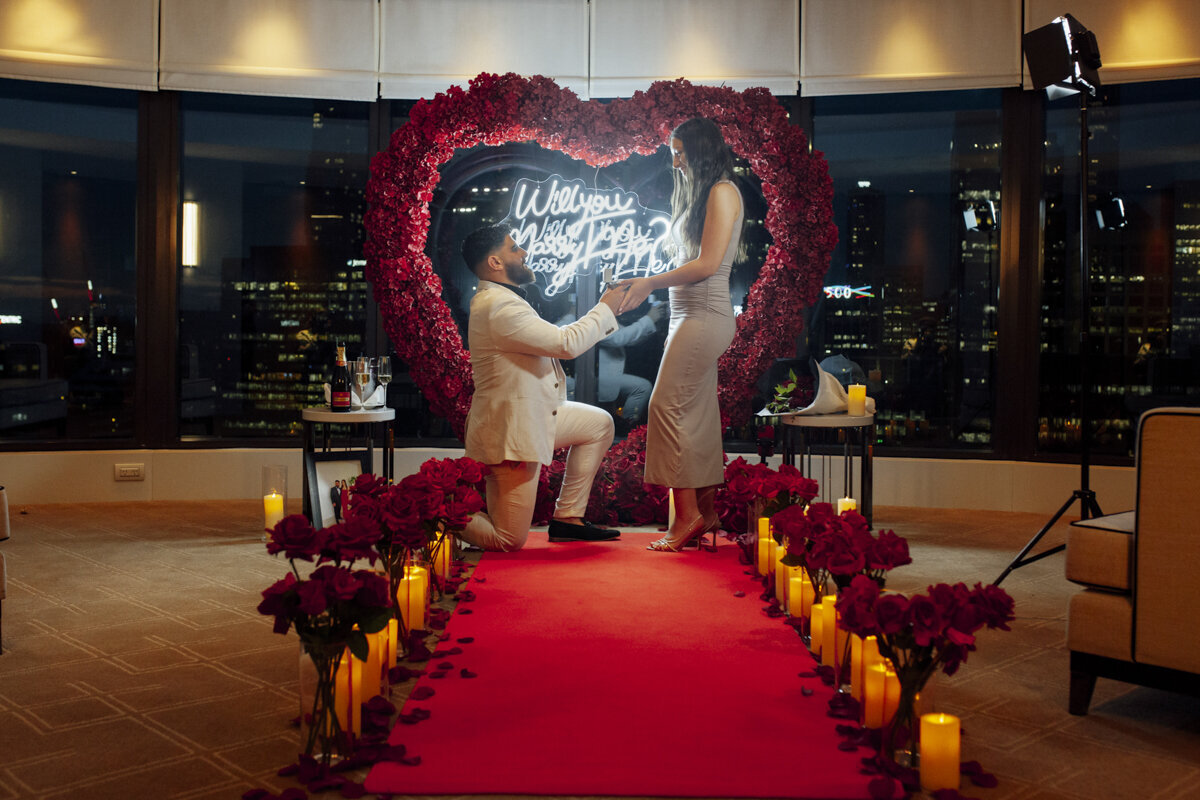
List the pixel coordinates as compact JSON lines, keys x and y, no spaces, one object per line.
{"x":384,"y":371}
{"x":362,"y":377}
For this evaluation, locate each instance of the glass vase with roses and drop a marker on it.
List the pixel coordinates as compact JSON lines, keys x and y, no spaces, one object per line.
{"x":332,"y":608}
{"x":920,"y":634}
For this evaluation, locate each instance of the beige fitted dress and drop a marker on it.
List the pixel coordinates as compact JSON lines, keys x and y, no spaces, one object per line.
{"x":683,"y":433}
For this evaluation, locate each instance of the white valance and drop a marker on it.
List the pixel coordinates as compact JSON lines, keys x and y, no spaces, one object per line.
{"x":1139,"y":41}
{"x":875,"y":46}
{"x":709,"y":42}
{"x":295,"y":48}
{"x":431,"y":45}
{"x":110,"y":43}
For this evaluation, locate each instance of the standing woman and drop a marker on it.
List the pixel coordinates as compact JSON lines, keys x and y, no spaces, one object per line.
{"x":683,"y":437}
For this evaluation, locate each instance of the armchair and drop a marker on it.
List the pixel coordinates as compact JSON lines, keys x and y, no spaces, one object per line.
{"x":1135,"y":620}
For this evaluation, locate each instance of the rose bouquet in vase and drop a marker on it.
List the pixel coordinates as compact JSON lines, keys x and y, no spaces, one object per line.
{"x":332,"y":608}
{"x":416,"y":520}
{"x":920,"y":634}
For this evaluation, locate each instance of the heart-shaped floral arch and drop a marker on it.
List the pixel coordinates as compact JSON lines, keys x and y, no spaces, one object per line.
{"x":497,"y":109}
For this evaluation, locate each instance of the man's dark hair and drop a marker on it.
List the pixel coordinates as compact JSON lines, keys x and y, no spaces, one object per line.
{"x":481,"y":242}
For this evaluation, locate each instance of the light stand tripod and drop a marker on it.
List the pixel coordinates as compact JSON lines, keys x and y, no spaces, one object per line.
{"x":1082,"y":55}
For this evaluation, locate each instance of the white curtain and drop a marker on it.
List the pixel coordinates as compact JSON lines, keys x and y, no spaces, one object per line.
{"x":874,"y":46}
{"x":110,"y":43}
{"x":294,"y":48}
{"x":1146,"y":40}
{"x":430,"y":45}
{"x":712,"y":42}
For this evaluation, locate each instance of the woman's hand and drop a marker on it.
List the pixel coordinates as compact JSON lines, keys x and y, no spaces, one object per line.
{"x":636,"y":292}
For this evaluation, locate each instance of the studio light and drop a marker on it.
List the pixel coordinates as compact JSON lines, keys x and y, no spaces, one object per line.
{"x":1063,"y":58}
{"x":980,"y":216}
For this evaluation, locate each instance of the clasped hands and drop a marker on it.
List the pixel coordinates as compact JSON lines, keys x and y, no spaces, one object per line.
{"x":627,"y":295}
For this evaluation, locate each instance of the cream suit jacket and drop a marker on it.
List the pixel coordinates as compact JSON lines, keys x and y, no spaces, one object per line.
{"x":519,"y":383}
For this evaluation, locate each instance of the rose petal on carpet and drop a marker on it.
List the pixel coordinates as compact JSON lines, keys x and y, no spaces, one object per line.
{"x":605,"y":669}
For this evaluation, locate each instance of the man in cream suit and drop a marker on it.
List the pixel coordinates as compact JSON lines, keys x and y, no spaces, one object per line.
{"x":520,"y":413}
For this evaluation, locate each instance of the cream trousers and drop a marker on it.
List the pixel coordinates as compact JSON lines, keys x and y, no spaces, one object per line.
{"x":512,"y":485}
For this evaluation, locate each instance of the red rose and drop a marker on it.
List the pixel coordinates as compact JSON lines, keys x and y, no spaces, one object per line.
{"x":926,"y":620}
{"x":891,"y":613}
{"x":295,"y":537}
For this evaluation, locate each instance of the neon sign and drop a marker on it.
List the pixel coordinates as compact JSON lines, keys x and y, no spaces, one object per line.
{"x":846,"y":292}
{"x":569,"y":229}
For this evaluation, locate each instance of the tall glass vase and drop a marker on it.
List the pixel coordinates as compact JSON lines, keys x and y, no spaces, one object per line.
{"x":899,"y":743}
{"x":321,"y":733}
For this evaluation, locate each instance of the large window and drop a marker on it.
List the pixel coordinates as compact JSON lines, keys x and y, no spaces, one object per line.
{"x":1143,"y":263}
{"x":271,"y":258}
{"x":68,"y":174}
{"x":911,"y":293}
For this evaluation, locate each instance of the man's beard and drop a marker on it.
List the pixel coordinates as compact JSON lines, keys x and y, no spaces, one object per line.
{"x":519,"y":273}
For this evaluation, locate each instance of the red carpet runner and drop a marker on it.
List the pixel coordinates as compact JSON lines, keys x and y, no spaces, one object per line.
{"x":604,"y":669}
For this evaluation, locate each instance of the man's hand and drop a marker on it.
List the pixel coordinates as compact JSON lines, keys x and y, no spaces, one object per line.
{"x":613,"y":297}
{"x":655,"y":313}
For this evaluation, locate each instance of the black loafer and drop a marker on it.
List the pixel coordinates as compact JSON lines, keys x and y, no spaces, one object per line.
{"x":587,"y":532}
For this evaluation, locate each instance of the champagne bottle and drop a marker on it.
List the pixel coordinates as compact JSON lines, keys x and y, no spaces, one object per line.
{"x":339,"y":387}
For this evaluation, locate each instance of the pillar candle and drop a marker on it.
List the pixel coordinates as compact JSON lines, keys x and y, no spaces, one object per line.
{"x":809,"y":595}
{"x":764,"y":553}
{"x":393,"y":633}
{"x":783,"y":573}
{"x":891,"y":694}
{"x":795,"y":602}
{"x":442,"y":557}
{"x":772,"y":555}
{"x":870,"y":657}
{"x":874,"y":681}
{"x":670,"y":508}
{"x":846,"y":504}
{"x":347,"y":693}
{"x":764,"y":527}
{"x":411,"y":596}
{"x":829,"y":631}
{"x":856,"y":658}
{"x":373,"y":666}
{"x":856,"y":400}
{"x":939,"y":748}
{"x":815,"y":639}
{"x":272,"y":509}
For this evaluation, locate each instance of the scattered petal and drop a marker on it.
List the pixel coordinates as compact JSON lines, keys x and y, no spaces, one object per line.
{"x":464,"y":611}
{"x":465,"y":640}
{"x":479,"y":580}
{"x":848,"y":746}
{"x":353,"y":790}
{"x":807,"y":692}
{"x":439,"y":674}
{"x":445,"y":665}
{"x":466,"y":673}
{"x":739,"y":593}
{"x":414,"y":716}
{"x":984,"y":780}
{"x":421,"y":693}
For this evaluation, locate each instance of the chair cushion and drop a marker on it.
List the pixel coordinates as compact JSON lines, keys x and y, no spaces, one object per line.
{"x":1099,"y":558}
{"x":1101,"y":623}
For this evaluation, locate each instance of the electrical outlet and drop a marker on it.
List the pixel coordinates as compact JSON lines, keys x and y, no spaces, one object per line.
{"x":129,"y":472}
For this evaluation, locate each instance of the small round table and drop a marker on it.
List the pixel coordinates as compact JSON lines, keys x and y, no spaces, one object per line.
{"x":848,"y":427}
{"x":323,"y":416}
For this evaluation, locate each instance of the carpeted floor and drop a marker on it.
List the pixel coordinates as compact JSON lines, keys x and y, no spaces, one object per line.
{"x":135,"y":666}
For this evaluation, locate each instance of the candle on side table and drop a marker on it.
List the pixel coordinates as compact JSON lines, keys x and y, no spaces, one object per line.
{"x":847,"y":504}
{"x":856,"y":400}
{"x":939,"y":748}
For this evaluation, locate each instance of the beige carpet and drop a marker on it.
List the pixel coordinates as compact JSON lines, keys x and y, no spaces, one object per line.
{"x":135,"y":665}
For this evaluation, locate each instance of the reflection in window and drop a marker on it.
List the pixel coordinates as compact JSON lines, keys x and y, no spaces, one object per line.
{"x":68,"y":172}
{"x":1144,"y":289}
{"x":911,"y":293}
{"x":275,"y":187}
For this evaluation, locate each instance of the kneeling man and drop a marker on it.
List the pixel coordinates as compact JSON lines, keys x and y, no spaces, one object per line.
{"x":520,"y":413}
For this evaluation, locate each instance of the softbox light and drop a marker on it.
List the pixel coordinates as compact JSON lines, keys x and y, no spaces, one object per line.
{"x":1063,"y":58}
{"x":1110,"y":213}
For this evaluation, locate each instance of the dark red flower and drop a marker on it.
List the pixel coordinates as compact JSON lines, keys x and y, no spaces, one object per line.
{"x":295,"y":537}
